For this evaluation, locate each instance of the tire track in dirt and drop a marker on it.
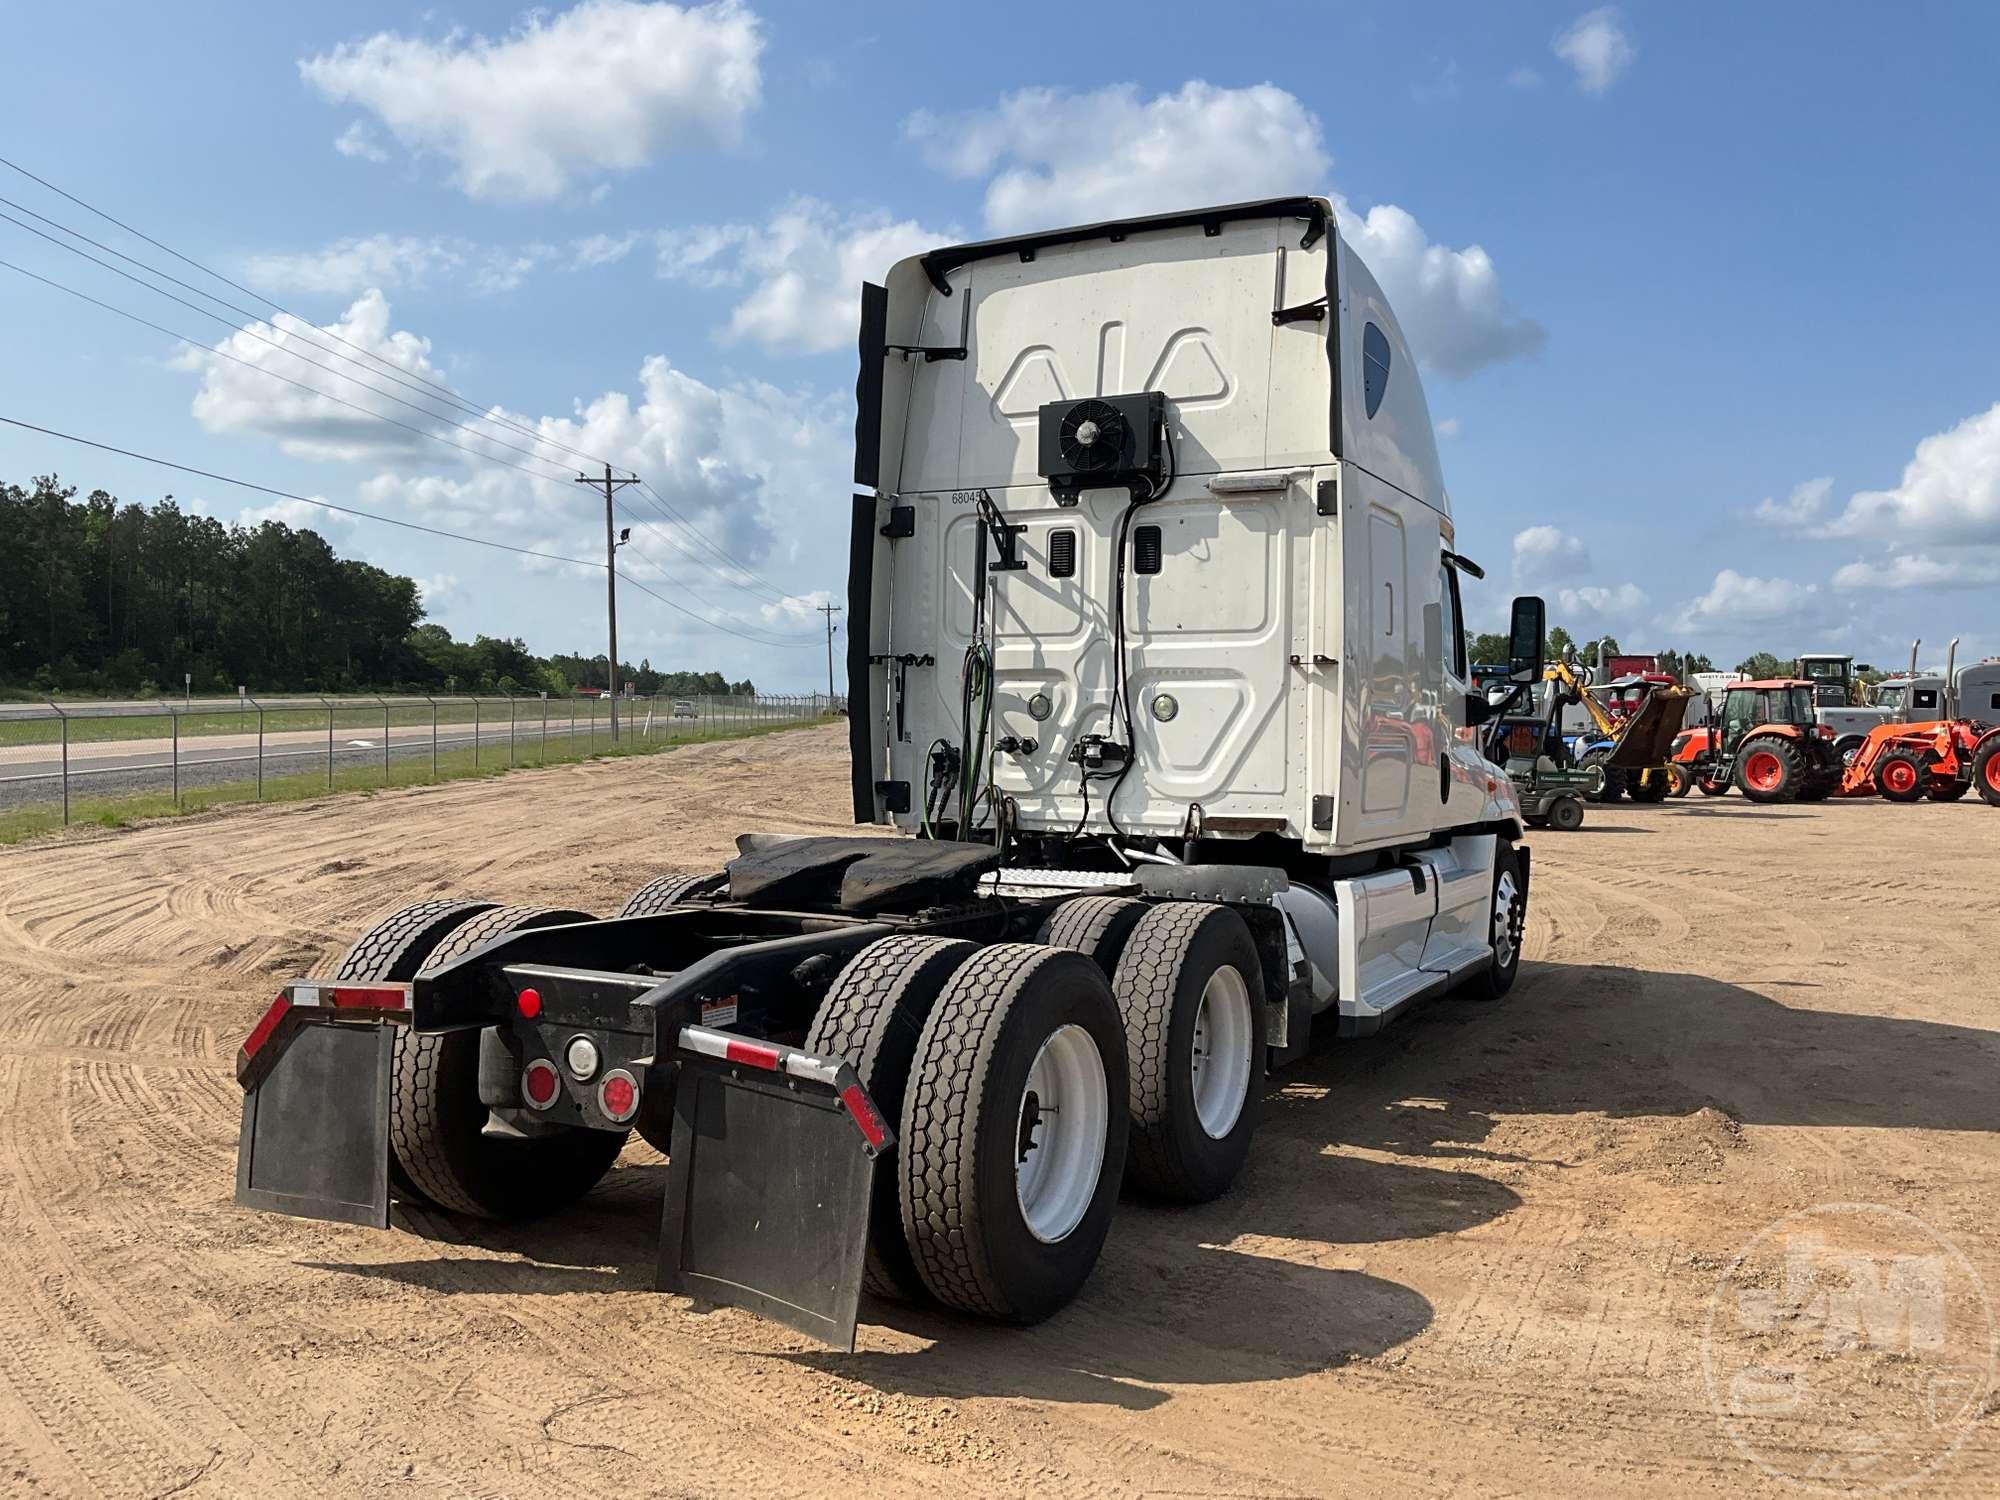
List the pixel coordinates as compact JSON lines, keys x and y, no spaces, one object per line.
{"x":1470,"y":1253}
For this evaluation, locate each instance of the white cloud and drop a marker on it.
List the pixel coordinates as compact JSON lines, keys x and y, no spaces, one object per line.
{"x":1736,"y":599}
{"x":1971,"y":567}
{"x":439,"y":590}
{"x":1950,"y":491}
{"x":386,"y":262}
{"x":1448,"y":301}
{"x":1448,"y":427}
{"x":297,"y":514}
{"x":235,"y":397}
{"x":1547,"y":552}
{"x":359,"y":141}
{"x":803,"y":270}
{"x":1618,"y":603}
{"x":1596,"y":46}
{"x":358,"y":262}
{"x":1798,"y":510}
{"x":601,"y":88}
{"x":1061,"y":157}
{"x":730,"y":462}
{"x":1524,"y":78}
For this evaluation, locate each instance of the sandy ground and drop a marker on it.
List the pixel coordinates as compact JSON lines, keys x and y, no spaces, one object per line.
{"x":1478,"y":1255}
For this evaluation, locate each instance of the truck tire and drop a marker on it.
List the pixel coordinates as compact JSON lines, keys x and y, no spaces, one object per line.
{"x":392,"y":951}
{"x":1614,"y":781}
{"x":672,"y":889}
{"x":1680,"y":779}
{"x":1946,"y":791}
{"x":1900,"y":776}
{"x":871,"y":1019}
{"x":1505,"y":928}
{"x":1191,"y":988}
{"x":437,"y":1120}
{"x":1769,"y":769}
{"x":1986,"y":771}
{"x":1096,"y":926}
{"x":1566,"y":814}
{"x":1847,"y":747}
{"x":1711,"y":785}
{"x":995,"y":1229}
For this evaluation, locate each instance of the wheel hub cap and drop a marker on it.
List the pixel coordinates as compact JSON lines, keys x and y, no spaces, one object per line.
{"x":1506,"y":919}
{"x":1220,"y":1064}
{"x":1059,"y":1134}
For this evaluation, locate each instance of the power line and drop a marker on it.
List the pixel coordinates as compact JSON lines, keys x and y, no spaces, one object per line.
{"x":367,"y":515}
{"x":442,"y":390}
{"x":660,"y":503}
{"x":265,"y":489}
{"x":713,"y":625}
{"x":755,"y":583}
{"x":667,"y":578}
{"x":317,"y":391}
{"x":249,"y":365}
{"x":424,"y":411}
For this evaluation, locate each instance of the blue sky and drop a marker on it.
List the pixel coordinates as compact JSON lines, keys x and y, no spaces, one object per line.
{"x":1705,"y":291}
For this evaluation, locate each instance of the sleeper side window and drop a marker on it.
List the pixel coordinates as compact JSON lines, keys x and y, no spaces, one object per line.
{"x":1374,"y":367}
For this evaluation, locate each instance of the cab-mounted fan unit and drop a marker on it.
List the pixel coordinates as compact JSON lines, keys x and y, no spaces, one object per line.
{"x":1102,"y":442}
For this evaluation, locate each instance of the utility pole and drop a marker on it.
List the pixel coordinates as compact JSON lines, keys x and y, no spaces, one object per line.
{"x":829,"y":610}
{"x":612,"y":542}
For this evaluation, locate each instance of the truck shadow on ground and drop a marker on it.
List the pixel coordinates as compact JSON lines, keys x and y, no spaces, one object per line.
{"x":1578,"y":1039}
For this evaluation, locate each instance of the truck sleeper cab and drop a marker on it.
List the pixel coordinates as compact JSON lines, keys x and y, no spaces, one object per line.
{"x":1156,"y":663}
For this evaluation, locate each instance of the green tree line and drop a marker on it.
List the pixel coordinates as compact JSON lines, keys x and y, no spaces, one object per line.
{"x":102,"y":597}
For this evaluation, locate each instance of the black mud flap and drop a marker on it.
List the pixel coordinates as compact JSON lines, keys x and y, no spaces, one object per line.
{"x":769,"y":1184}
{"x":316,"y":1079}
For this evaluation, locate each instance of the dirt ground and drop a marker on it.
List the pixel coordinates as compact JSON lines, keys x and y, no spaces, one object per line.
{"x":1483,"y":1254}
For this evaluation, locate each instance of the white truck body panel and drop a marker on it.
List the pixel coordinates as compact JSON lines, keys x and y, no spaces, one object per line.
{"x":1302,"y":620}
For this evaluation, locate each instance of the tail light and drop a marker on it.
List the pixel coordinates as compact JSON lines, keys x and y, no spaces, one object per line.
{"x":618,"y":1096}
{"x":540,"y":1084}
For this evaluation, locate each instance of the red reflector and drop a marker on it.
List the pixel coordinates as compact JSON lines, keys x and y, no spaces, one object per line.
{"x":345,"y":997}
{"x":618,"y":1097}
{"x":529,"y":1003}
{"x":261,"y":1032}
{"x":752,"y":1055}
{"x":856,"y":1100}
{"x":539,"y":1083}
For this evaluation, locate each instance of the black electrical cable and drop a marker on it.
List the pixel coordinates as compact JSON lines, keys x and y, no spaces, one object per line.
{"x":1121,"y":679}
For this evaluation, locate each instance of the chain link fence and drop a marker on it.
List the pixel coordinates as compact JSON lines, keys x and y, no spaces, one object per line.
{"x":76,"y":753}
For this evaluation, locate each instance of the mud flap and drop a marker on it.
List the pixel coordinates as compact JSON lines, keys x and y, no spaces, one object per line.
{"x":769,"y":1184}
{"x":315,"y":1073}
{"x":315,"y":1140}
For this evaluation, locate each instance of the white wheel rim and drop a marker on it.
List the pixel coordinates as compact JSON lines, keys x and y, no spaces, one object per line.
{"x":1221,"y":1061}
{"x":1505,"y":894}
{"x":1059,"y":1134}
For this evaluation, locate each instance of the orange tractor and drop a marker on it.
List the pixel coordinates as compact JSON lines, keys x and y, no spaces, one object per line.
{"x":1942,"y":760}
{"x":1765,"y":742}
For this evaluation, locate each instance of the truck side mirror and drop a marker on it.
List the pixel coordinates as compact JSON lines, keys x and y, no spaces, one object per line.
{"x":1524,"y":640}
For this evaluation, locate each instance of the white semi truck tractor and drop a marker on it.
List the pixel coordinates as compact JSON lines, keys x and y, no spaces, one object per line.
{"x":1158,"y":676}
